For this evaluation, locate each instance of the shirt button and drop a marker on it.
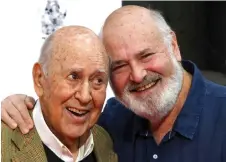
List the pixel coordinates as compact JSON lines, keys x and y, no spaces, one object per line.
{"x":155,"y":156}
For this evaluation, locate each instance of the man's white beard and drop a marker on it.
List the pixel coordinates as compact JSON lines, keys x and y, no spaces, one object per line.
{"x":158,"y":105}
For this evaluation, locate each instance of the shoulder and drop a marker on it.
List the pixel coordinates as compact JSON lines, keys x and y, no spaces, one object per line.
{"x":101,"y":138}
{"x":115,"y":113}
{"x":102,"y":134}
{"x":214,"y":112}
{"x":215,"y":90}
{"x":215,"y":95}
{"x":6,"y":132}
{"x":6,"y":143}
{"x":115,"y":118}
{"x":103,"y":145}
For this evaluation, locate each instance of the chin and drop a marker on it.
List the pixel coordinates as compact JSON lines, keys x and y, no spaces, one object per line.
{"x":76,"y":131}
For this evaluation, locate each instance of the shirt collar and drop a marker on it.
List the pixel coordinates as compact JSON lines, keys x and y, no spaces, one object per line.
{"x":188,"y":119}
{"x":53,"y":143}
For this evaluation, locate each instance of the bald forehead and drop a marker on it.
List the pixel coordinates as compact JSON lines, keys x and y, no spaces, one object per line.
{"x":128,"y":14}
{"x":73,"y":30}
{"x":70,"y":34}
{"x":73,"y":43}
{"x":75,"y":38}
{"x":130,"y":21}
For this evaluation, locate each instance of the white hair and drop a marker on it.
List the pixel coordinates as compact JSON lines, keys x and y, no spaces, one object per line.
{"x":163,"y":27}
{"x":45,"y":54}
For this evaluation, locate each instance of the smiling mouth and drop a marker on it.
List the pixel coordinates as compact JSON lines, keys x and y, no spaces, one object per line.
{"x":145,"y":87}
{"x":77,"y":112}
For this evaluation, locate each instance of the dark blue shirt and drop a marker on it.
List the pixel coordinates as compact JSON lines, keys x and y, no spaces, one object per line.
{"x":198,"y":134}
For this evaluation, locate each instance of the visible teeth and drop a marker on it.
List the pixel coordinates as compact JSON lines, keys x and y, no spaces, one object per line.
{"x":146,"y":86}
{"x":77,"y":111}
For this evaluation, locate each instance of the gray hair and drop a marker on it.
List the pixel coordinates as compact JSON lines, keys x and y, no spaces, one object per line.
{"x":164,"y":28}
{"x":46,"y":53}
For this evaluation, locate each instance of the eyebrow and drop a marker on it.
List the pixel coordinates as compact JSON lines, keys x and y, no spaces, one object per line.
{"x":138,"y":54}
{"x":81,"y":69}
{"x":75,"y":69}
{"x":117,"y":62}
{"x":142,"y":52}
{"x":100,"y":71}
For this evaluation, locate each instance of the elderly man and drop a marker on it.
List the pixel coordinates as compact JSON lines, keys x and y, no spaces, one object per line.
{"x":70,"y":79}
{"x":165,"y":109}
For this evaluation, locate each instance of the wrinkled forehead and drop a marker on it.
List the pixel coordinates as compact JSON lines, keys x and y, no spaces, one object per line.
{"x":131,"y":39}
{"x":81,"y":50}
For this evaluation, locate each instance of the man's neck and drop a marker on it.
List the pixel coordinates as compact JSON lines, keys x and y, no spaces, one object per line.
{"x":55,"y":140}
{"x":74,"y":144}
{"x":159,"y":130}
{"x":71,"y":143}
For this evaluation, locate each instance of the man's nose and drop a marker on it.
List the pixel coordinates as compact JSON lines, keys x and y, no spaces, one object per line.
{"x":137,"y":74}
{"x":83,"y":94}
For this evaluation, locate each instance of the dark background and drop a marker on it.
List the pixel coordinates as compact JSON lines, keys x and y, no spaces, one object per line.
{"x":200,"y":28}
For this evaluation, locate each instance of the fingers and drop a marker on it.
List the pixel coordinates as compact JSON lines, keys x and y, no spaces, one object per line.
{"x":29,"y":101}
{"x":11,"y":113}
{"x":23,"y":111}
{"x":7,"y":119}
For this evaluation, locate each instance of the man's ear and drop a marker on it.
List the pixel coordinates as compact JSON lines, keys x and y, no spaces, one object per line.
{"x":175,"y":47}
{"x":38,"y":79}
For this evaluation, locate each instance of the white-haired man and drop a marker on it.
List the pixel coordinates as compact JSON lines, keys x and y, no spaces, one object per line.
{"x":70,"y":79}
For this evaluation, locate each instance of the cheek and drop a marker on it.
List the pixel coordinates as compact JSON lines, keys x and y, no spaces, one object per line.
{"x":58,"y":94}
{"x":98,"y":98}
{"x":62,"y":92}
{"x":161,"y":65}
